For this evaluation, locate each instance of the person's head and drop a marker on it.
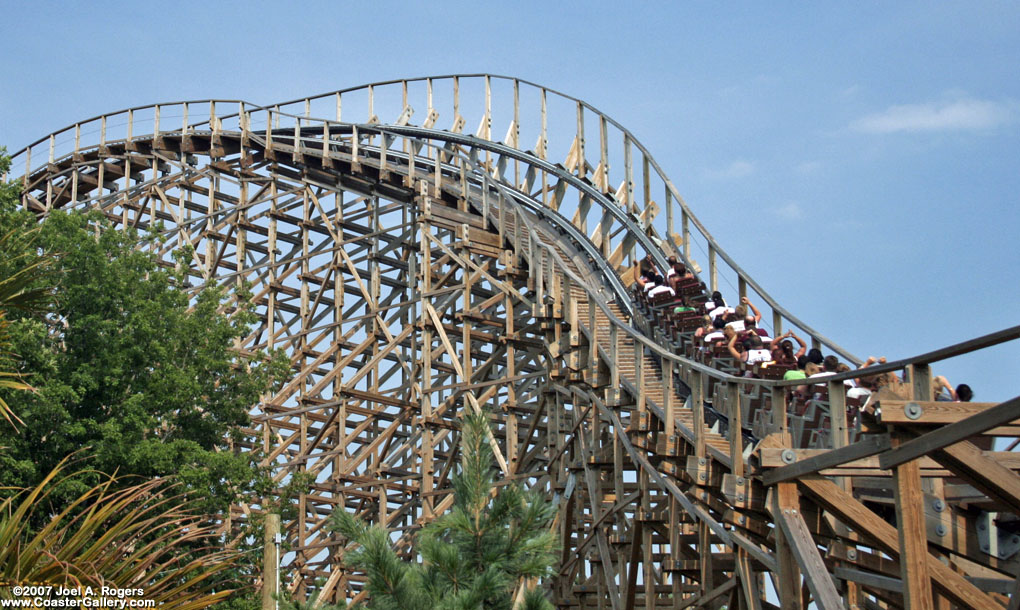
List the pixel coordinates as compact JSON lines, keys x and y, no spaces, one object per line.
{"x":812,"y":368}
{"x":964,"y":393}
{"x":842,"y":367}
{"x":679,"y":269}
{"x":787,"y":348}
{"x":872,"y":382}
{"x":718,"y":323}
{"x":717,"y":299}
{"x":740,"y":312}
{"x":802,"y":363}
{"x":672,"y":260}
{"x":815,"y":355}
{"x":829,"y":363}
{"x":749,"y":322}
{"x":754,"y":341}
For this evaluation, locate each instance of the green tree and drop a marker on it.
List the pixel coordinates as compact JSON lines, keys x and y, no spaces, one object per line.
{"x":129,"y":365}
{"x":22,"y":286}
{"x":478,"y":555}
{"x":138,"y":377}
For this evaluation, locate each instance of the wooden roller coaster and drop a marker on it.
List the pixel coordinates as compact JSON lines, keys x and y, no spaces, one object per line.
{"x":413,"y":271}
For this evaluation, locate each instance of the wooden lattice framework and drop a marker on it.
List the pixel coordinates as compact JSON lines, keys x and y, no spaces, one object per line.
{"x":413,"y":272}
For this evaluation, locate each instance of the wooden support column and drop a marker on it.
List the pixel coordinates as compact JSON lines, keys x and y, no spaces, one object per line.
{"x":913,"y":538}
{"x":732,"y":391}
{"x":698,"y":407}
{"x":780,"y":423}
{"x":713,"y":271}
{"x":427,"y":457}
{"x":271,"y":562}
{"x":785,"y":497}
{"x":803,"y":547}
{"x":634,"y":563}
{"x":667,"y":397}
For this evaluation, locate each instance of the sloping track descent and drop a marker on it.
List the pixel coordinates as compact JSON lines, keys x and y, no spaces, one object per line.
{"x":413,"y":271}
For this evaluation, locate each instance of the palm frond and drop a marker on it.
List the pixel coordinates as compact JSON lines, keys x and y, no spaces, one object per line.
{"x":142,"y":536}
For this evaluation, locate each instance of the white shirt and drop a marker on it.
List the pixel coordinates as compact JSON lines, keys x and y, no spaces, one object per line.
{"x":755,"y":356}
{"x":715,"y":335}
{"x":718,"y":311}
{"x":737,"y":326}
{"x":657,"y":290}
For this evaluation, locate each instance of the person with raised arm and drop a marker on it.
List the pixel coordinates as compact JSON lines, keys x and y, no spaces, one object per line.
{"x":753,"y":350}
{"x":782,"y":349}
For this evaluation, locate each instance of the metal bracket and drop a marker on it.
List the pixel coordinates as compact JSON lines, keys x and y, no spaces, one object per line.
{"x":994,"y":541}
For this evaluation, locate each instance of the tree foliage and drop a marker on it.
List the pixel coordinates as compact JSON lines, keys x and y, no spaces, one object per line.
{"x":22,"y":287}
{"x":128,"y":364}
{"x":493,"y":541}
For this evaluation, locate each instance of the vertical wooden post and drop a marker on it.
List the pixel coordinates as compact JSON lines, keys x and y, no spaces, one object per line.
{"x":913,"y":538}
{"x":732,"y":392}
{"x":713,"y":271}
{"x":668,"y":202}
{"x":271,"y":562}
{"x":784,"y":496}
{"x":685,"y":230}
{"x":427,"y":472}
{"x":779,"y":421}
{"x":668,"y":398}
{"x":698,"y":408}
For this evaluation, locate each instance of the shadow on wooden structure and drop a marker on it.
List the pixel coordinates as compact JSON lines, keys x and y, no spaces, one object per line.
{"x":413,"y":271}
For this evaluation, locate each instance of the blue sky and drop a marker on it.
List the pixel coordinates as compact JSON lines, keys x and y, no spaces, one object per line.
{"x":860,"y":161}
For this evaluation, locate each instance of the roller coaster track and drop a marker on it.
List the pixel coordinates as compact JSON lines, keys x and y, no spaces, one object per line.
{"x":413,"y":272}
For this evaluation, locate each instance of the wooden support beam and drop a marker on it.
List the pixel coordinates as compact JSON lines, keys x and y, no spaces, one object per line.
{"x":849,"y":510}
{"x":803,"y":547}
{"x":913,"y":539}
{"x":953,"y":433}
{"x":868,"y":446}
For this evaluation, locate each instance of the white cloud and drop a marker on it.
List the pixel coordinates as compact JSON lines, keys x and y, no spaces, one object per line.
{"x":790,"y":211}
{"x":957,"y":114}
{"x":737,"y":169}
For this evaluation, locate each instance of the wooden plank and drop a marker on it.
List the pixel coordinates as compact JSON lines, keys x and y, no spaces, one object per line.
{"x":810,"y":561}
{"x":913,"y":539}
{"x":869,"y":579}
{"x":748,"y":581}
{"x":953,"y":433}
{"x":992,"y":478}
{"x":788,"y":574}
{"x":930,"y":411}
{"x":869,"y":446}
{"x":634,"y":562}
{"x":848,"y":509}
{"x":772,"y":457}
